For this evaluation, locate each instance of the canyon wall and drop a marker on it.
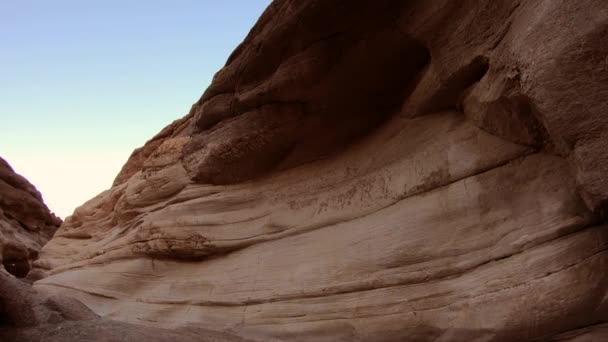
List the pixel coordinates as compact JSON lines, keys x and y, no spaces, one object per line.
{"x":26,"y":224}
{"x":369,"y":171}
{"x":27,"y":315}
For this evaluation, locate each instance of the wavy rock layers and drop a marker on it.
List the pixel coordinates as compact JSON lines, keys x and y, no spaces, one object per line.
{"x":29,"y":316}
{"x":26,"y":224}
{"x":386,"y":171}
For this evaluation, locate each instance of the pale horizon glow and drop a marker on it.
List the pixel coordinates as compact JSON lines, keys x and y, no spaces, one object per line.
{"x":68,"y":181}
{"x":84,"y":83}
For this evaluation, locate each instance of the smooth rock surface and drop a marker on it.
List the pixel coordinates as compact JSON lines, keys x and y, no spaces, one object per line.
{"x":369,"y":171}
{"x":29,"y":316}
{"x":110,"y":331}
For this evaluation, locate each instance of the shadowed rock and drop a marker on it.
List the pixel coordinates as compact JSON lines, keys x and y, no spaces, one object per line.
{"x":25,"y":222}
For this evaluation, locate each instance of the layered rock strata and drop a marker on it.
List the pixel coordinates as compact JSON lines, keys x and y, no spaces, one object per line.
{"x":369,"y":171}
{"x":26,"y":224}
{"x":29,"y":316}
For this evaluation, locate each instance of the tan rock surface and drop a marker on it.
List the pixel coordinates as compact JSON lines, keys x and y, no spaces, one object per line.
{"x":29,"y":316}
{"x":369,"y":171}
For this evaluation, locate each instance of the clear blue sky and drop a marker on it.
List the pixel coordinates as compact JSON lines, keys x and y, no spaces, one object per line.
{"x":82,"y":83}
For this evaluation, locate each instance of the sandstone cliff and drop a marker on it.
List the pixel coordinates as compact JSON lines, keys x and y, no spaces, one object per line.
{"x":370,"y":171}
{"x":26,"y":224}
{"x":29,"y":316}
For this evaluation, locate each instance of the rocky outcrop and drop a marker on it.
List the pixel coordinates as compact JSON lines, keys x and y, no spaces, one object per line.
{"x":369,"y":171}
{"x":29,"y":316}
{"x":26,"y":224}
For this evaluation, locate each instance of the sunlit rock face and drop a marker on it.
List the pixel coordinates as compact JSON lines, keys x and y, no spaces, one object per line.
{"x":370,"y":171}
{"x":26,"y":224}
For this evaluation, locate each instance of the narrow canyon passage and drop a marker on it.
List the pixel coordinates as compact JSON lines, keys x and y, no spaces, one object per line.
{"x":367,"y":171}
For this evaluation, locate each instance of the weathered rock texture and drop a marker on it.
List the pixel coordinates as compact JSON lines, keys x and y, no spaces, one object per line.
{"x":29,"y":316}
{"x":26,"y":224}
{"x":370,"y":171}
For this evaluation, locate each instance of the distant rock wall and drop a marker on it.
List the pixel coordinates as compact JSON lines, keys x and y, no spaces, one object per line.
{"x":26,"y":224}
{"x":370,"y":171}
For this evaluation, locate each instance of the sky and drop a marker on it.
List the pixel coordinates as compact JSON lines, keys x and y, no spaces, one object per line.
{"x":83,"y":83}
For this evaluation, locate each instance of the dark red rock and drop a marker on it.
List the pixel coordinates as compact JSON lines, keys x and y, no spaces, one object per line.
{"x":534,"y":73}
{"x":26,"y":224}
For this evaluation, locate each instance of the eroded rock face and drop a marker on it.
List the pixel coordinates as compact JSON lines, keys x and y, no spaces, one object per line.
{"x":29,"y":316}
{"x":26,"y":224}
{"x":369,"y":171}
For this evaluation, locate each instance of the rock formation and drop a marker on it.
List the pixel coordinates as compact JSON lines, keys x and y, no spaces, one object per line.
{"x":29,"y":316}
{"x":26,"y":224}
{"x":369,"y":171}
